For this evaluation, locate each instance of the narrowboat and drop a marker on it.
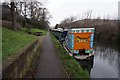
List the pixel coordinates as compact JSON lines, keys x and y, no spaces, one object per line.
{"x":79,"y":42}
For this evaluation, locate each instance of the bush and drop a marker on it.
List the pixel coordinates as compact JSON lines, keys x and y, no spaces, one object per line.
{"x":7,"y":24}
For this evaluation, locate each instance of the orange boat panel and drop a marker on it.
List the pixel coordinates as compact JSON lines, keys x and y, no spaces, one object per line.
{"x":81,"y":41}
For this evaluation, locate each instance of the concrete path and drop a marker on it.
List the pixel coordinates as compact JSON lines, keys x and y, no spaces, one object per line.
{"x":49,"y":65}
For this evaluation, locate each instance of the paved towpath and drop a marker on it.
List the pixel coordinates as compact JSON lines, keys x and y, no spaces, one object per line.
{"x":49,"y":65}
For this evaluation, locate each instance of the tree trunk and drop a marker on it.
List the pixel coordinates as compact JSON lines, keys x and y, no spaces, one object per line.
{"x":13,"y":15}
{"x":25,"y":14}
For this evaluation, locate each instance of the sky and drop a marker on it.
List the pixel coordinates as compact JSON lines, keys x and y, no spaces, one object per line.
{"x":61,"y":9}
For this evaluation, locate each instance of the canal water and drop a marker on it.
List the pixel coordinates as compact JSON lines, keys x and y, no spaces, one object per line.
{"x":104,"y":64}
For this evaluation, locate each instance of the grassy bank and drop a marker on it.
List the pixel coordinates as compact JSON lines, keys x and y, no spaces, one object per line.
{"x":35,"y":30}
{"x":71,"y":66}
{"x":39,"y":30}
{"x":13,"y":41}
{"x":0,"y":44}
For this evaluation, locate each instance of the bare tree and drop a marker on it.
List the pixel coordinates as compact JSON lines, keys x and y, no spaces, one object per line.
{"x":87,"y":17}
{"x":67,"y":22}
{"x":87,"y":14}
{"x":32,"y":12}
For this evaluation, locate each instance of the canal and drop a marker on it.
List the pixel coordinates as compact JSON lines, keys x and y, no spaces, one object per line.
{"x":104,"y":64}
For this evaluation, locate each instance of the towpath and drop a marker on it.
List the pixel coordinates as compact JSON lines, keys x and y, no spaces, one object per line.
{"x":49,"y":65}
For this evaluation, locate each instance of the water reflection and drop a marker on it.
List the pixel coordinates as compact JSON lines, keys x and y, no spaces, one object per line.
{"x":119,"y":66}
{"x":87,"y":64}
{"x":105,"y":62}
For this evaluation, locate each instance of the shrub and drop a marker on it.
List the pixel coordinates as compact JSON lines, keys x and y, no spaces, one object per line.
{"x":7,"y":24}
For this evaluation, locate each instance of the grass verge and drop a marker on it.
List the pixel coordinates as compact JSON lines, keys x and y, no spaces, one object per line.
{"x":71,"y":66}
{"x":13,"y":41}
{"x":0,"y":44}
{"x":35,"y":30}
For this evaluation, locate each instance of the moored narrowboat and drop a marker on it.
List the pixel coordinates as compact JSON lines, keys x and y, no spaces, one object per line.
{"x":79,"y":42}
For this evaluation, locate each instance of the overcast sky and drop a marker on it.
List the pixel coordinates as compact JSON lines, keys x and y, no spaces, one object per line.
{"x":61,"y":9}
